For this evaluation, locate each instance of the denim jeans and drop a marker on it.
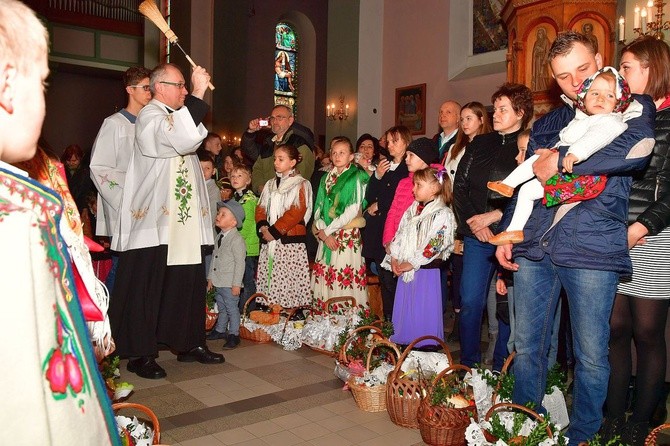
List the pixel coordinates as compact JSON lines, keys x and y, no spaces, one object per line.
{"x":479,"y":264}
{"x":249,"y":282}
{"x":537,"y":286}
{"x":229,"y":312}
{"x":553,"y":349}
{"x":111,"y":277}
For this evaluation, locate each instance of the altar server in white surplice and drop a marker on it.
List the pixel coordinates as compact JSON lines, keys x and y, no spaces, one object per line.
{"x":110,"y":157}
{"x":159,"y":295}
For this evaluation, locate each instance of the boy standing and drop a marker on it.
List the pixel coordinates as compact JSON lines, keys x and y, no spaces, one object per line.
{"x":240,"y":178}
{"x":226,"y":272}
{"x":213,"y":194}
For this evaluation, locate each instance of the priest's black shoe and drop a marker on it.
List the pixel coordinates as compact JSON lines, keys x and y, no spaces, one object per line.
{"x":146,"y":367}
{"x":202,"y":355}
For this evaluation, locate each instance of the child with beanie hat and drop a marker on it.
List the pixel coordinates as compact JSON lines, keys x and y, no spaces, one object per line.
{"x":603,"y":104}
{"x":421,"y":153}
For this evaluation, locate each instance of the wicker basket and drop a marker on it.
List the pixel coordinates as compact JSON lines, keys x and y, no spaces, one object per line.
{"x":258,"y":335}
{"x":403,"y":395}
{"x":652,"y":438}
{"x":343,"y":360}
{"x":371,"y":399}
{"x":499,"y":406}
{"x":329,"y":303}
{"x":210,"y":319}
{"x":145,"y":410}
{"x":440,"y":425}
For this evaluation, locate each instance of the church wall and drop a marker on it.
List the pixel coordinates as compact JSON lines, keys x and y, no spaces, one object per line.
{"x":416,"y":41}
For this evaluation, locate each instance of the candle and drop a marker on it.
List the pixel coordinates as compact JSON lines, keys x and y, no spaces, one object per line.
{"x":636,"y":17}
{"x":643,"y":19}
{"x":650,"y":11}
{"x":622,"y":29}
{"x":346,"y":112}
{"x":327,"y":110}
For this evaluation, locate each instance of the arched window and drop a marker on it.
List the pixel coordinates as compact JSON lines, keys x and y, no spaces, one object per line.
{"x":286,"y":64}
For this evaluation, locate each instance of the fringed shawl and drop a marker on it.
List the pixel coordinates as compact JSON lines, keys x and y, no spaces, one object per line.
{"x":278,"y":199}
{"x":422,"y":238}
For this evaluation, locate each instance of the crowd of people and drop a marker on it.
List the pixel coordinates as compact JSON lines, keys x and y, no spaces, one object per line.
{"x":437,"y":220}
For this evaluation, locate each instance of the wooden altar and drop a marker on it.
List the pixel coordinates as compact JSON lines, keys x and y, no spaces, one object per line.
{"x":532,"y":25}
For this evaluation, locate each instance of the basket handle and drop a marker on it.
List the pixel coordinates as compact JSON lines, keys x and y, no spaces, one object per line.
{"x":336,"y":300}
{"x":448,"y":370}
{"x":409,"y":348}
{"x":652,"y":438}
{"x":376,"y":334}
{"x":252,"y":297}
{"x":528,"y":411}
{"x":377,"y":344}
{"x":503,"y":371}
{"x":145,"y":410}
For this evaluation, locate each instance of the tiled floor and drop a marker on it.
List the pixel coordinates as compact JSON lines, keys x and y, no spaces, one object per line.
{"x":261,"y":395}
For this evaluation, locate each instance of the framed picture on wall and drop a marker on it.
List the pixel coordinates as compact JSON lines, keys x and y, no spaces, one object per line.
{"x":410,"y":108}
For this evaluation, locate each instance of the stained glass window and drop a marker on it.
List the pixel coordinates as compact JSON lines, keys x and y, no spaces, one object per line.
{"x":286,"y":63}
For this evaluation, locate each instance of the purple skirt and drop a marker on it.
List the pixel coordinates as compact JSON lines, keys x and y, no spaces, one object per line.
{"x":417,"y":310}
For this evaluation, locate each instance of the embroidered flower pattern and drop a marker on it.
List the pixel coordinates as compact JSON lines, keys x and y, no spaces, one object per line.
{"x":139,"y":214}
{"x":343,"y":278}
{"x":105,"y":179}
{"x":434,"y":246}
{"x":61,"y":367}
{"x":569,"y":188}
{"x":182,"y":192}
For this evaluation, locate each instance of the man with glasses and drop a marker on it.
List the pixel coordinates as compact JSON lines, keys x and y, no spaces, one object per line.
{"x":159,"y":293}
{"x":110,"y":157}
{"x":285,"y":131}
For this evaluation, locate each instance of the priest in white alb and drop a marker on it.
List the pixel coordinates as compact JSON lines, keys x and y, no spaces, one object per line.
{"x":159,"y":295}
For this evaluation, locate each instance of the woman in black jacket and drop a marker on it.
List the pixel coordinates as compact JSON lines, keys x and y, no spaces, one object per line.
{"x":641,"y":304}
{"x":379,"y":196}
{"x":488,"y":157}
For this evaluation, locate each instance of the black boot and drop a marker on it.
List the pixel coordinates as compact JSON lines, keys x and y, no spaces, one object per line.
{"x":635,"y":433}
{"x":612,"y":427}
{"x":454,"y":336}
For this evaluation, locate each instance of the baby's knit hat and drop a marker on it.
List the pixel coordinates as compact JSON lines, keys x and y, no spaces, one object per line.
{"x":622,"y":90}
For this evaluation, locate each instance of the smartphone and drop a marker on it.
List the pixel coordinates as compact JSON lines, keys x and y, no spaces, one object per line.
{"x":263,"y":122}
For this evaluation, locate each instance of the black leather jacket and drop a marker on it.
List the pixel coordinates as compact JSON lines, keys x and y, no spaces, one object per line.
{"x":489,"y":157}
{"x":649,"y":202}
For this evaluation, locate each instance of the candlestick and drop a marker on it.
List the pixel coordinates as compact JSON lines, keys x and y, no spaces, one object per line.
{"x":636,"y":17}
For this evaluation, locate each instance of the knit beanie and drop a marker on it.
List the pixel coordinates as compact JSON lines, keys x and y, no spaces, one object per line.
{"x":622,"y":90}
{"x":426,"y":149}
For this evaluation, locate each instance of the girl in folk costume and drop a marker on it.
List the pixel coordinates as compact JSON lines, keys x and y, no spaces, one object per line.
{"x":424,"y":239}
{"x":283,"y":209}
{"x":339,"y":269}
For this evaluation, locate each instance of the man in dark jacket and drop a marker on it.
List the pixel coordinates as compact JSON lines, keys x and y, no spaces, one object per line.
{"x":581,"y":247}
{"x":285,"y":131}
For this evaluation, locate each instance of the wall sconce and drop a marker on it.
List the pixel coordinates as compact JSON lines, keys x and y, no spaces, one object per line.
{"x":644,"y":23}
{"x":341,"y":113}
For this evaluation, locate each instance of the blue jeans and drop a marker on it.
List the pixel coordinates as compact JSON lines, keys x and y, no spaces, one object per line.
{"x":479,"y":264}
{"x":229,"y":313}
{"x":249,"y":282}
{"x":537,"y":286}
{"x":111,"y":277}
